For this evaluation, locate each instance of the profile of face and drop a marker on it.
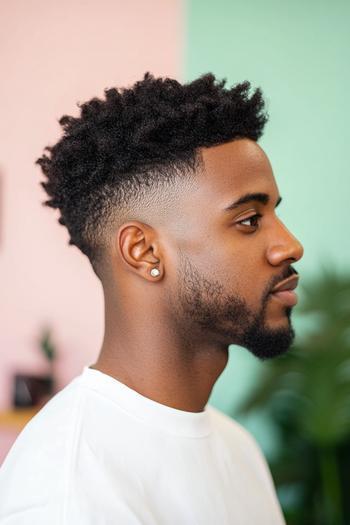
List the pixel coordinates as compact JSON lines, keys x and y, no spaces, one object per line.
{"x":230,"y":256}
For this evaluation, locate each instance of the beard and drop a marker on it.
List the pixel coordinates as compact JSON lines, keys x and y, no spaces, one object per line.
{"x":227,"y":317}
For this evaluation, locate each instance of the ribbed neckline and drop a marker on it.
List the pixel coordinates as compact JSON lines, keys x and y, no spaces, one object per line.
{"x":168,"y":419}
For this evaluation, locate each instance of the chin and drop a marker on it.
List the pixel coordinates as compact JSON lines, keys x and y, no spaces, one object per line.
{"x":267,"y":341}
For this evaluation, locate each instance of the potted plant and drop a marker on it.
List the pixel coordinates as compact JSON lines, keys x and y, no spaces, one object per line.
{"x":33,"y":390}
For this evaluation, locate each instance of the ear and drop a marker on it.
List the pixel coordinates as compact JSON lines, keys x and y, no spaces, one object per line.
{"x":138,"y":248}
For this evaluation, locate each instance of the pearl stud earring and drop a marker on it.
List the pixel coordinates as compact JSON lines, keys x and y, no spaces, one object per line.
{"x":155,"y":272}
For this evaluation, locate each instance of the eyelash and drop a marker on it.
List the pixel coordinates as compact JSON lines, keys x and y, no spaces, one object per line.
{"x":256,"y":216}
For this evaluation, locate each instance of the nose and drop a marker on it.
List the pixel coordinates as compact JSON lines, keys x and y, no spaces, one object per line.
{"x":284,"y":246}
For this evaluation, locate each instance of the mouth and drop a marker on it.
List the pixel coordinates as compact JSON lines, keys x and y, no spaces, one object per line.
{"x":284,"y":291}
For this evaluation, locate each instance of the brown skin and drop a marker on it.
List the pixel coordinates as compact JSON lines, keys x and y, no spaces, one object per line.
{"x":167,"y":337}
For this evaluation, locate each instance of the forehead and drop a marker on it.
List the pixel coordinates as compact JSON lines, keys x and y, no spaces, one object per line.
{"x":233,"y":169}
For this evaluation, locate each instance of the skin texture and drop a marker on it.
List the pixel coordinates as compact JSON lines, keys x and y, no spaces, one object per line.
{"x":167,"y":337}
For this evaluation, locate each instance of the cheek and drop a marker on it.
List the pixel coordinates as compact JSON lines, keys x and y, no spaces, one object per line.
{"x":241,"y":273}
{"x":237,"y":265}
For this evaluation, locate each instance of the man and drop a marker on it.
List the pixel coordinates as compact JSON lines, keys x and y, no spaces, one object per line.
{"x":165,"y":189}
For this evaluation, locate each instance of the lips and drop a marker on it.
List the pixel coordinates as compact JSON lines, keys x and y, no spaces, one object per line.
{"x":288,"y":284}
{"x":284,"y":293}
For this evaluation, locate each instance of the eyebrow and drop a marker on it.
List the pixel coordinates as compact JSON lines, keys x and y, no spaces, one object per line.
{"x":264,"y":198}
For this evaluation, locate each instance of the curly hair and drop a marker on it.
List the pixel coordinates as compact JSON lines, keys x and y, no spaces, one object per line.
{"x":134,"y":141}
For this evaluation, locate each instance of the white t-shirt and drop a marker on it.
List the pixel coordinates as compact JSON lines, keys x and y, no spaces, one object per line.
{"x":100,"y":453}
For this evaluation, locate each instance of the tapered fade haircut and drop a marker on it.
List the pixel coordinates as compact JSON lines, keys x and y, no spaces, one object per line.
{"x":137,"y":139}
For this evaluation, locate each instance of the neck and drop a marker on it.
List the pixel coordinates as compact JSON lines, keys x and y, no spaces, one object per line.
{"x":148,"y":356}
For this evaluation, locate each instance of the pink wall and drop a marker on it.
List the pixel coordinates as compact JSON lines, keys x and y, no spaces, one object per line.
{"x":54,"y":54}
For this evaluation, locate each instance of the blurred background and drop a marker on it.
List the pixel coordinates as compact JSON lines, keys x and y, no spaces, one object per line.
{"x":56,"y":54}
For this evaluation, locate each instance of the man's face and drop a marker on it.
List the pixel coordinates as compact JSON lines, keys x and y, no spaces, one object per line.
{"x":229,"y":260}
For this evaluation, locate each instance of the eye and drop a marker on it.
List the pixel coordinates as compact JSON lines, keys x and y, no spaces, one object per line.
{"x":254,"y":221}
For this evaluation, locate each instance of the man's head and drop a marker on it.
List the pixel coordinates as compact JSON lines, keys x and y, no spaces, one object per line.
{"x":147,"y":178}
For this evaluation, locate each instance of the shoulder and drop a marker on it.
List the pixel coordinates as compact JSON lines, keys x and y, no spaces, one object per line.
{"x":53,"y":422}
{"x":36,"y":465}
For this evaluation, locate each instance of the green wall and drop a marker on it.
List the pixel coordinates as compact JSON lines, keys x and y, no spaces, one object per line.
{"x":298,"y":53}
